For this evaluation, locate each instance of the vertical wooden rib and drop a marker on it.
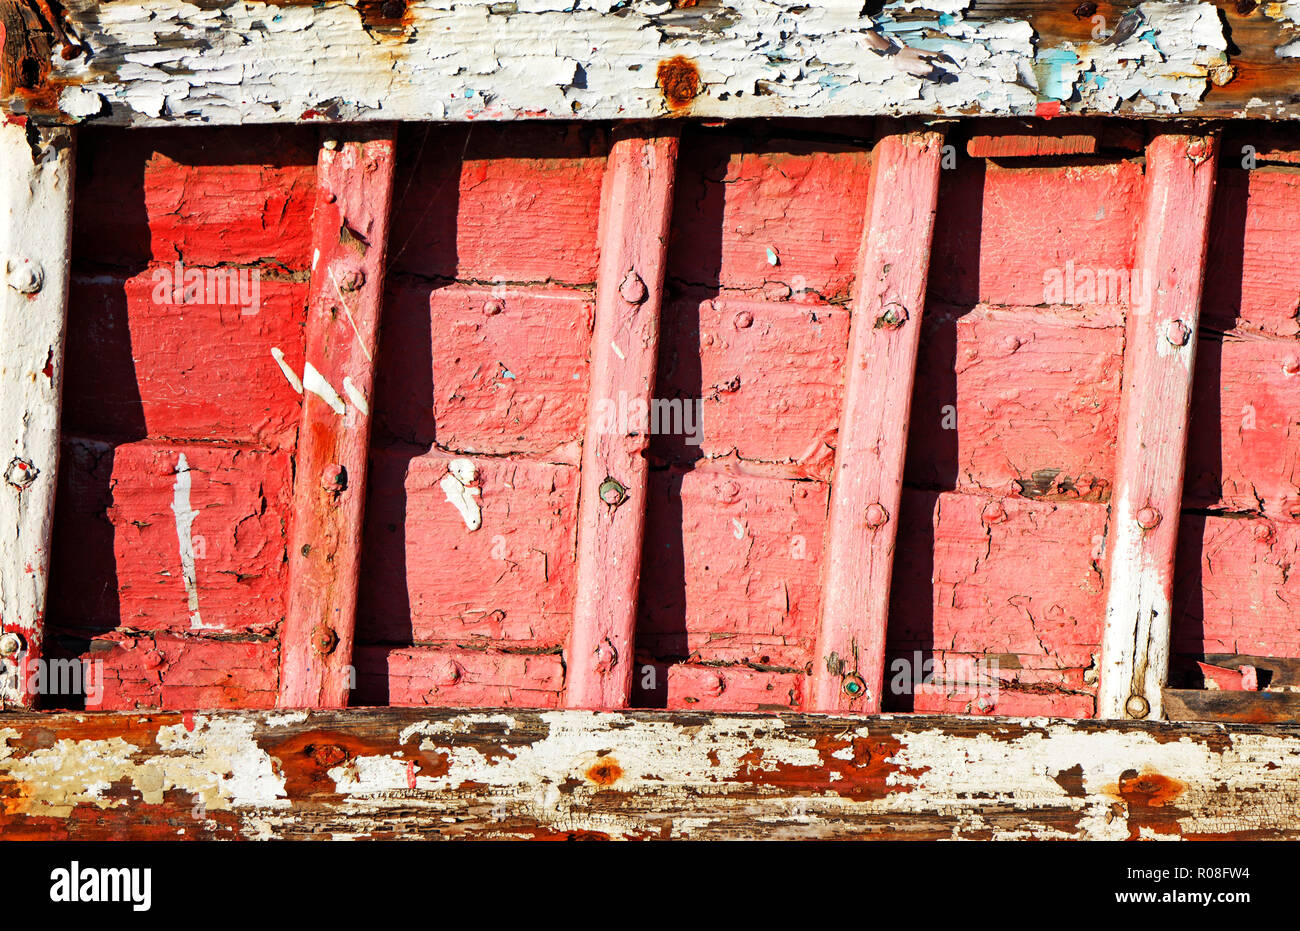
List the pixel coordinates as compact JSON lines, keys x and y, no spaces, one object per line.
{"x":36,"y":212}
{"x":889,"y":296}
{"x":1159,"y":354}
{"x":350,"y":237}
{"x":636,"y":208}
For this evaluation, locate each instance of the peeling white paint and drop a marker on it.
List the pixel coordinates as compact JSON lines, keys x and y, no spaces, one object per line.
{"x":294,"y":381}
{"x":458,"y":485}
{"x":159,"y":61}
{"x":185,"y":515}
{"x":356,"y":396}
{"x":315,"y":382}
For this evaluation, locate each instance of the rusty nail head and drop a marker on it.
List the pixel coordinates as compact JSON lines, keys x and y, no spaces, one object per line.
{"x":1137,"y":706}
{"x":876,"y":516}
{"x":854,"y":686}
{"x":334,"y":477}
{"x":1148,"y":517}
{"x":1262,"y":531}
{"x":606,"y":656}
{"x":893,"y":317}
{"x":324,"y":640}
{"x":744,"y":320}
{"x":11,"y":644}
{"x":493,"y":307}
{"x":352,"y":280}
{"x":993,"y":513}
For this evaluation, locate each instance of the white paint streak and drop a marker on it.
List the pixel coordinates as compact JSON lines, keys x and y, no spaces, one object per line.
{"x":185,"y":515}
{"x":315,"y":382}
{"x":458,"y":485}
{"x":356,"y":396}
{"x":289,"y":373}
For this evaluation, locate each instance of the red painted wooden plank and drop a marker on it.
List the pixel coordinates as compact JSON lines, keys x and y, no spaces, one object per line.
{"x":1018,"y":399}
{"x":350,"y":242}
{"x":764,"y":378}
{"x":731,"y":568}
{"x":428,"y":577}
{"x":493,"y":370}
{"x":694,"y":687}
{"x":848,"y":662}
{"x":1030,"y":145}
{"x":454,"y":677}
{"x":1158,"y":364}
{"x":636,"y":207}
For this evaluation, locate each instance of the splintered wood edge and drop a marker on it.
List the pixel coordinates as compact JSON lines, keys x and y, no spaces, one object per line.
{"x":390,"y":772}
{"x":160,"y":62}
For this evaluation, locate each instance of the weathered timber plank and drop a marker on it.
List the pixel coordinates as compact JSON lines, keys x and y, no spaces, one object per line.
{"x":1159,"y":360}
{"x":347,"y":285}
{"x":1232,"y":707}
{"x":867,"y":484}
{"x":636,"y":207}
{"x":161,"y":61}
{"x":402,"y":773}
{"x":36,"y":188}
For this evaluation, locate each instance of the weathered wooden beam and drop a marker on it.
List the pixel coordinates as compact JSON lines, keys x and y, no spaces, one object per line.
{"x":160,"y":61}
{"x":867,"y":484}
{"x":350,"y":238}
{"x":1159,"y":355}
{"x":36,"y":182}
{"x":636,"y":207}
{"x":1234,"y":707}
{"x":406,"y":773}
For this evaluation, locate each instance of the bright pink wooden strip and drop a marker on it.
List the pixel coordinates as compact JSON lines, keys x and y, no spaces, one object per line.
{"x":1160,"y":351}
{"x":636,"y":207}
{"x":885,"y":331}
{"x":347,"y":285}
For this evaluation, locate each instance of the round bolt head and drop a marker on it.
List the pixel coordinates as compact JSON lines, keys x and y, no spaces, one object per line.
{"x":854,"y":686}
{"x":606,"y":656}
{"x":21,"y":473}
{"x":334,"y":477}
{"x":324,"y":640}
{"x":744,"y":320}
{"x":1137,"y":706}
{"x":893,"y":317}
{"x":633,"y":289}
{"x":11,"y":644}
{"x":1177,"y":333}
{"x":1262,"y":531}
{"x":612,"y":491}
{"x":993,"y":513}
{"x":25,"y":276}
{"x":352,"y":280}
{"x":493,"y":307}
{"x":1148,"y":517}
{"x":877,"y":516}
{"x":1011,"y":343}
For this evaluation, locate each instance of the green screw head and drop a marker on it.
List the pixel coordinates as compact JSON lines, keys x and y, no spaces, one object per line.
{"x":612,"y":492}
{"x":854,"y":686}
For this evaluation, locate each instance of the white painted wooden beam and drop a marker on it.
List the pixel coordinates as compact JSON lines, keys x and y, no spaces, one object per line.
{"x":36,"y":180}
{"x":1159,"y":359}
{"x":241,"y":61}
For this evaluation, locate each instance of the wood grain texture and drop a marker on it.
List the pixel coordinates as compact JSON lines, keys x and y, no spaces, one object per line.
{"x":636,"y":209}
{"x":407,"y":773}
{"x":36,"y":191}
{"x":1159,"y":359}
{"x":867,"y":484}
{"x":350,"y":244}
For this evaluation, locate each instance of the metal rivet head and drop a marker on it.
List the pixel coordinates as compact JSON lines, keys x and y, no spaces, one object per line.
{"x":21,"y":472}
{"x":1148,"y":517}
{"x":612,"y":491}
{"x":493,"y":307}
{"x":352,"y":280}
{"x":877,"y":516}
{"x":633,"y":289}
{"x":1177,"y":333}
{"x":11,"y":644}
{"x":1011,"y":343}
{"x":334,"y":478}
{"x":853,"y":685}
{"x":1137,"y":706}
{"x":893,"y":317}
{"x":744,"y":320}
{"x":1262,"y":531}
{"x":448,"y":673}
{"x":324,"y":640}
{"x":993,"y":513}
{"x":25,"y":275}
{"x":606,"y":656}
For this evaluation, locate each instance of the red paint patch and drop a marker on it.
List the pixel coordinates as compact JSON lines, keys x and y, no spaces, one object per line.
{"x":1048,"y":109}
{"x":188,"y":718}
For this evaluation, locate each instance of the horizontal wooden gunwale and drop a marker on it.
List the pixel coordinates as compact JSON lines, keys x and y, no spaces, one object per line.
{"x":388,"y":772}
{"x":224,"y":62}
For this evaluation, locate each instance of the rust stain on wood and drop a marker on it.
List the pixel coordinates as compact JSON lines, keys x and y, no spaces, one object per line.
{"x":679,"y":79}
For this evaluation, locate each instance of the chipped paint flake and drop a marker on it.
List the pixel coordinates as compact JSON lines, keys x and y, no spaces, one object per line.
{"x":459,"y":487}
{"x":294,"y":381}
{"x":185,"y":515}
{"x":316,"y":383}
